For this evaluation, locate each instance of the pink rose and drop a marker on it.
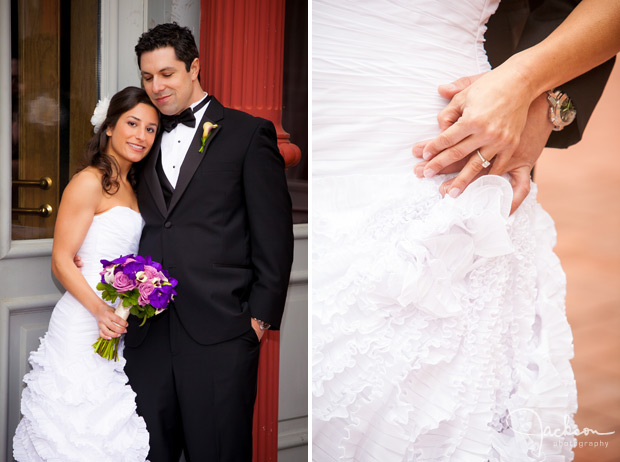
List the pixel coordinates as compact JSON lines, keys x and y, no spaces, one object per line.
{"x":150,"y":272}
{"x":122,"y":282}
{"x":145,"y":289}
{"x":147,"y":275}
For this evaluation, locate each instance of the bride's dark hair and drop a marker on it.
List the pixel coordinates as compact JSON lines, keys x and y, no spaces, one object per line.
{"x":96,"y":156}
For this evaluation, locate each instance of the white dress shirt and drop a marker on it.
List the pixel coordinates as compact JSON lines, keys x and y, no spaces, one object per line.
{"x":175,"y":143}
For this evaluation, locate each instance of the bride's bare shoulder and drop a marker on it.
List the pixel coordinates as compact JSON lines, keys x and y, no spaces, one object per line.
{"x":86,"y":181}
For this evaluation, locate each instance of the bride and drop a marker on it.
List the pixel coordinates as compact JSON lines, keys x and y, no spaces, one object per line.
{"x":438,"y":323}
{"x":77,"y":406}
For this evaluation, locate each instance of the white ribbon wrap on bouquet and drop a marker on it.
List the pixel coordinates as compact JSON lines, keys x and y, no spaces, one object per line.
{"x":122,"y":311}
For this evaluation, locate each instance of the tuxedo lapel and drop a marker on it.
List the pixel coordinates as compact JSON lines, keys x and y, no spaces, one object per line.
{"x":152,"y":180}
{"x":193,"y":158}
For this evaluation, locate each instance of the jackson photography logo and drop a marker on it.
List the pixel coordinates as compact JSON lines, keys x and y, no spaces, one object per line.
{"x":558,"y":433}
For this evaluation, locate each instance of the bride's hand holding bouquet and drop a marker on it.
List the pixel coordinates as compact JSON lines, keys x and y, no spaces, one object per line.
{"x":144,"y":290}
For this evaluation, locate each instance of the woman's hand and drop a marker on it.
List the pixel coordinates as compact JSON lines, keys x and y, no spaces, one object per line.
{"x":519,"y":165}
{"x":487,"y":112}
{"x":110,"y":324}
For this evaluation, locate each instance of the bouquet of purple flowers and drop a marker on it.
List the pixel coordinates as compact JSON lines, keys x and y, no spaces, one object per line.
{"x":144,"y":289}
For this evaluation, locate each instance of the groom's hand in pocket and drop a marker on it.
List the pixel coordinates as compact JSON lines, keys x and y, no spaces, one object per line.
{"x":257,"y":329}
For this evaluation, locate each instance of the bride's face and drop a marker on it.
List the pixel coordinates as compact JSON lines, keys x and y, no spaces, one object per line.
{"x":134,"y":133}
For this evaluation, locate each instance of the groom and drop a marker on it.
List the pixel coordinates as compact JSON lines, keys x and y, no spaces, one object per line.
{"x":218,"y":217}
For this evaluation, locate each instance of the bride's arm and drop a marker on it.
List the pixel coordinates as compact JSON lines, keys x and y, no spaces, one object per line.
{"x":75,"y":214}
{"x":491,"y":114}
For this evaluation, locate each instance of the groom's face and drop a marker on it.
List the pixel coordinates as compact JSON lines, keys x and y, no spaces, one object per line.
{"x":169,"y":85}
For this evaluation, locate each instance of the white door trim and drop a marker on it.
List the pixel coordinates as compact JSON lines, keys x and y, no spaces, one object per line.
{"x":122,"y":23}
{"x":5,"y":129}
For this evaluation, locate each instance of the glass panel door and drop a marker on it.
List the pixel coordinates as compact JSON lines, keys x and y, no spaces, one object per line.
{"x":54,"y":90}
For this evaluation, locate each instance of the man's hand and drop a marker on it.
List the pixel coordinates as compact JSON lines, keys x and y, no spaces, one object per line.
{"x":78,"y":261}
{"x":257,"y":329}
{"x":519,"y":165}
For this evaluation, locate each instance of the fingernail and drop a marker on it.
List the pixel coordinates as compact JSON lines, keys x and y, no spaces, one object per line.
{"x":429,"y":172}
{"x":454,"y":192}
{"x":426,"y":155}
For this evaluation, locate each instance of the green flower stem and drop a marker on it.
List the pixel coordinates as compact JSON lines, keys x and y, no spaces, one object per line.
{"x":107,"y":349}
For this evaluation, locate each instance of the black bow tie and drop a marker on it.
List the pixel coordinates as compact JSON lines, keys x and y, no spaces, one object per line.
{"x":186,"y":117}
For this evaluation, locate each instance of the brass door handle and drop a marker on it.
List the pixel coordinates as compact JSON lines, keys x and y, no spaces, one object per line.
{"x":44,"y":211}
{"x":45,"y":182}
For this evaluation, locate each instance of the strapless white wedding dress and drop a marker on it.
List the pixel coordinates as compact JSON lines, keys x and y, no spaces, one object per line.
{"x":439,"y":330}
{"x":77,"y":406}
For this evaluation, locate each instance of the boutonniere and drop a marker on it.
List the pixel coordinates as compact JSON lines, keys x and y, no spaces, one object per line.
{"x":206,"y":132}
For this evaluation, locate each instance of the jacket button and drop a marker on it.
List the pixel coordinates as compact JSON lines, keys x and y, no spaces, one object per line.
{"x":167,"y":224}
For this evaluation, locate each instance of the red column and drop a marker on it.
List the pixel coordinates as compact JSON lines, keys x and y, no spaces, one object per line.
{"x":241,"y":50}
{"x":265,"y":429}
{"x":241,"y":53}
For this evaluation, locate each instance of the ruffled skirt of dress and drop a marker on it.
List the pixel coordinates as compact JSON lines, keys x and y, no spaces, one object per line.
{"x":77,"y":406}
{"x":438,"y":325}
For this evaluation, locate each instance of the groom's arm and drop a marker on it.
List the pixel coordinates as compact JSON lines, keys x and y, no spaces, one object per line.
{"x":271,"y":225}
{"x":585,"y":90}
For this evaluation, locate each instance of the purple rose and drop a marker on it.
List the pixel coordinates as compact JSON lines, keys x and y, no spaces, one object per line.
{"x":123,"y":283}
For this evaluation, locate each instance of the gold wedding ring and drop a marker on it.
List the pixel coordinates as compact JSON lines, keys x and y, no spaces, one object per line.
{"x":485,"y":163}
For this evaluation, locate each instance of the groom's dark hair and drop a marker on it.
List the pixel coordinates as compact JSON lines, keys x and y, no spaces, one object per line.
{"x":169,"y":35}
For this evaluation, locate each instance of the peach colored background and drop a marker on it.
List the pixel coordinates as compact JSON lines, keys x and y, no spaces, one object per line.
{"x":580,"y":188}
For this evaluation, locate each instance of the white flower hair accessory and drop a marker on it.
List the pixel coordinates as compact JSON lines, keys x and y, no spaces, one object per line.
{"x":100,"y":113}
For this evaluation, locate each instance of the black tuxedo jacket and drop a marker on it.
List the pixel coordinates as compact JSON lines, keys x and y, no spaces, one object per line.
{"x":227,"y":234}
{"x":520,"y":24}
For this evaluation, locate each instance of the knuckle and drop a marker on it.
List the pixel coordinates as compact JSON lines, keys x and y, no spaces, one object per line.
{"x":456,"y":153}
{"x":505,"y":137}
{"x":513,"y":142}
{"x":522,"y":189}
{"x":493,"y":133}
{"x":526,"y":189}
{"x":477,"y":125}
{"x":444,"y":140}
{"x":475,"y":165}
